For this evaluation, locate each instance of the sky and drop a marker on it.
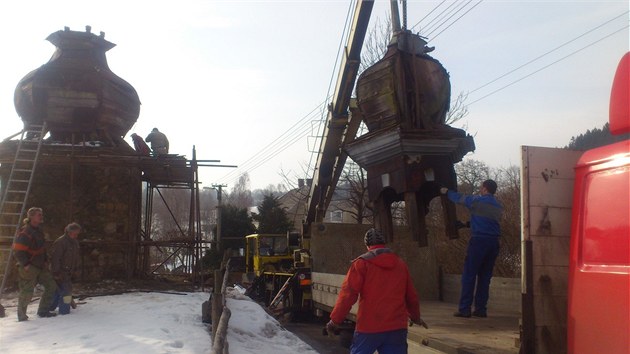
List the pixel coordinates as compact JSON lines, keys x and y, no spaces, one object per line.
{"x":246,"y":82}
{"x":146,"y":322}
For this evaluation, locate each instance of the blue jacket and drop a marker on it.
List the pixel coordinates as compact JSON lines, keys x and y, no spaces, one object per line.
{"x":485,"y":213}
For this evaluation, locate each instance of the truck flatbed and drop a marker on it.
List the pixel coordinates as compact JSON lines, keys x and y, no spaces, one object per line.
{"x":498,"y":333}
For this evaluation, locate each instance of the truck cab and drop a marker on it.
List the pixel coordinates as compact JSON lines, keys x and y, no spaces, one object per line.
{"x":599,"y":263}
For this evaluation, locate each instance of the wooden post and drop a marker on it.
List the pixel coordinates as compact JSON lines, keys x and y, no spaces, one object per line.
{"x":450,"y":217}
{"x":217,"y":302}
{"x":219,"y":343}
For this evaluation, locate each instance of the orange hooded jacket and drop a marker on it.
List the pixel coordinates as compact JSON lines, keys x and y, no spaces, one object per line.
{"x":387,"y":298}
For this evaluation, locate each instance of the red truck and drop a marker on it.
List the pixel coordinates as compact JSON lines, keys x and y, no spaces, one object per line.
{"x":599,"y":264}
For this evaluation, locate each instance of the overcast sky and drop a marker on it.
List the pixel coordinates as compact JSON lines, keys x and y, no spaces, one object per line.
{"x":246,"y":80}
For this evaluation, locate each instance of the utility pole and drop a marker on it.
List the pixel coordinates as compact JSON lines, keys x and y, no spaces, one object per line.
{"x":219,"y":188}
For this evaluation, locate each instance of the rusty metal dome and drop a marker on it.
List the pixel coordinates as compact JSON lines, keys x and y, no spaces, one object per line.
{"x":76,"y":92}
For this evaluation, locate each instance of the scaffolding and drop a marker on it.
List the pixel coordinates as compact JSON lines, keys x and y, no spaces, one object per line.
{"x":157,"y":173}
{"x":172,"y":172}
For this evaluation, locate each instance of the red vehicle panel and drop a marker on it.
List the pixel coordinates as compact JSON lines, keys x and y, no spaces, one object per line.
{"x":599,"y":264}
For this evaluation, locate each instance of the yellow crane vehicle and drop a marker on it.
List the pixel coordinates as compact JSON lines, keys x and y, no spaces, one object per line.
{"x":278,"y":270}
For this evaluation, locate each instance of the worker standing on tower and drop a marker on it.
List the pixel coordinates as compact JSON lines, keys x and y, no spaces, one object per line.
{"x":159,"y":142}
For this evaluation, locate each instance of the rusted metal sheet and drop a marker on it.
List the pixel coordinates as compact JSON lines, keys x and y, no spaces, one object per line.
{"x":405,"y":88}
{"x":76,"y":92}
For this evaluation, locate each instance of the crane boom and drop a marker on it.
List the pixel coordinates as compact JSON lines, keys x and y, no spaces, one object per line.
{"x":339,"y":125}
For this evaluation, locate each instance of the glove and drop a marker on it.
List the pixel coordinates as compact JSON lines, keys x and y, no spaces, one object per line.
{"x":419,"y":322}
{"x":331,"y":327}
{"x":443,"y":190}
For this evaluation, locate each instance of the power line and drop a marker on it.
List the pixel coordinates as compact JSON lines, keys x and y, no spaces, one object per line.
{"x":427,"y":15}
{"x":263,"y":155}
{"x":546,"y":66}
{"x":450,"y":15}
{"x":457,"y":19}
{"x":293,"y":134}
{"x":340,"y":51}
{"x":549,"y":52}
{"x":439,"y":16}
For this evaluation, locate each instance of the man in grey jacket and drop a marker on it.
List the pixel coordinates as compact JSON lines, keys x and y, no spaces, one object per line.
{"x":64,"y":263}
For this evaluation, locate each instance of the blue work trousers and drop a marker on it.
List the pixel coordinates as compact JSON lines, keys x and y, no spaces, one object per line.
{"x":62,"y":298}
{"x":480,"y":257}
{"x":390,"y":342}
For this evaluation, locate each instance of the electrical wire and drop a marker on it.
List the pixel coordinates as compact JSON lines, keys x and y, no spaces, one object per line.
{"x":546,"y":66}
{"x":547,"y":53}
{"x":457,"y":19}
{"x":427,"y":15}
{"x":439,"y":17}
{"x":297,"y":130}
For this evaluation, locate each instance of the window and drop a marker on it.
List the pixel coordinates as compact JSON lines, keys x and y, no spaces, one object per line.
{"x":605,"y":222}
{"x":336,"y":216}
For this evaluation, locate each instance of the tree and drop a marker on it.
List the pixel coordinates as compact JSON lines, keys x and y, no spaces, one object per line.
{"x":458,"y":109}
{"x":272,"y":217}
{"x":235,"y":225}
{"x":241,"y":196}
{"x":595,"y":138}
{"x":353,"y":193}
{"x":470,"y":174}
{"x":376,"y":42}
{"x":509,"y":195}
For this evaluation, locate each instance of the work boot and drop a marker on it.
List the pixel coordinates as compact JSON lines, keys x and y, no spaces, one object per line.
{"x":21,"y":313}
{"x":73,"y":304}
{"x":45,"y":314}
{"x":479,"y":314}
{"x":461,"y":314}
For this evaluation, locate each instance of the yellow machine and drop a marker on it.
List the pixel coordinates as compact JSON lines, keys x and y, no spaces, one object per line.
{"x":279,"y":272}
{"x":267,"y":253}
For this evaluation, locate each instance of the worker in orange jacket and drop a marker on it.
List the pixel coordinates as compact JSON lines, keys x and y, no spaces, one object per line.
{"x":30,"y":253}
{"x":380,"y":280}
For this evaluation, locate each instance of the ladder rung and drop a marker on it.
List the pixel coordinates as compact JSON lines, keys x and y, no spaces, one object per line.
{"x":22,"y":170}
{"x":8,"y":225}
{"x":25,"y":160}
{"x":11,"y":213}
{"x":16,"y":191}
{"x":28,"y":150}
{"x":19,"y":180}
{"x":10,"y":202}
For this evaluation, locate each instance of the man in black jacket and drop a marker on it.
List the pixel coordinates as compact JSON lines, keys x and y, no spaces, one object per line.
{"x":64,"y":263}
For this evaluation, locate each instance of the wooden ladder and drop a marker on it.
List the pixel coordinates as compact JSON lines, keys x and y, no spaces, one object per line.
{"x":15,"y":194}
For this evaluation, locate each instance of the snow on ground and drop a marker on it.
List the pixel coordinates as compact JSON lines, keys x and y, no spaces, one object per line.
{"x":145,"y":322}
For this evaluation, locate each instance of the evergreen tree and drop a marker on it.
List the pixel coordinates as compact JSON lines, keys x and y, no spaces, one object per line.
{"x":272,"y":217}
{"x":235,"y":225}
{"x":595,"y":138}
